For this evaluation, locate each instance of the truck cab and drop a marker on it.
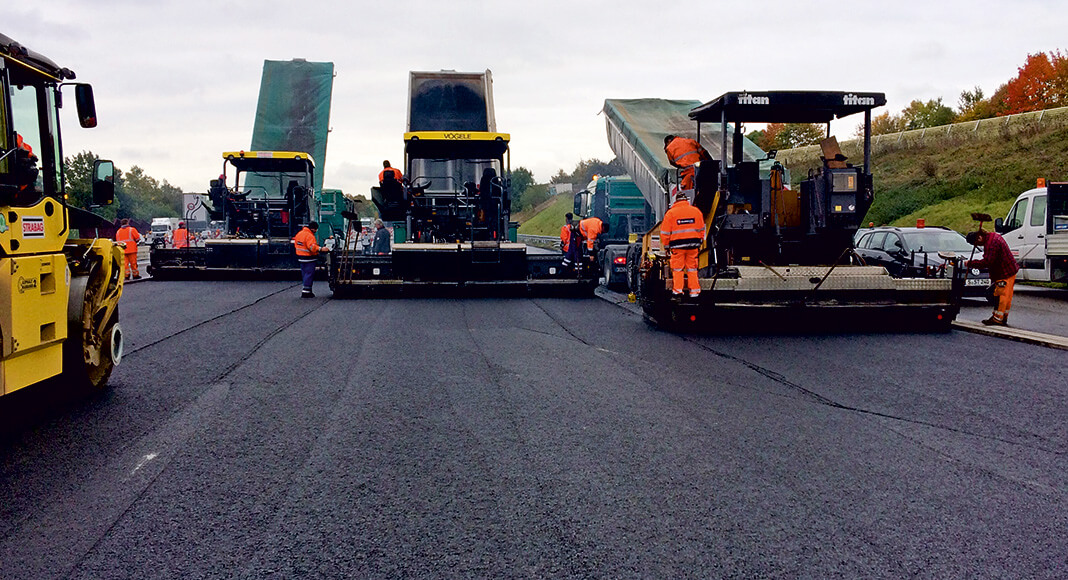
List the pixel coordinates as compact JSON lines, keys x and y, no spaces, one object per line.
{"x":1036,"y":230}
{"x":617,"y":201}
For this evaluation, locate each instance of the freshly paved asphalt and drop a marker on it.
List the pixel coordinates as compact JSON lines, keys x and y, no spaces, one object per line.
{"x":251,"y":434}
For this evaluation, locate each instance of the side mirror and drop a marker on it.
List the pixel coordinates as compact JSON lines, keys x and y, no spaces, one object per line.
{"x":999,"y":226}
{"x":83,"y":96}
{"x":103,"y":182}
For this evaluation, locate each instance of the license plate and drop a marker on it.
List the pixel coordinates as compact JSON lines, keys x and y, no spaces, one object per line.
{"x":977,"y":282}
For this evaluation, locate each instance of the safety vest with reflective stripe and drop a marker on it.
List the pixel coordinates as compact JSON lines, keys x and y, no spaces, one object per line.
{"x":565,"y":237}
{"x":683,"y":226}
{"x":304,"y":242}
{"x":683,"y":152}
{"x":181,"y":238}
{"x":396,"y":174}
{"x":130,"y":236}
{"x":590,"y":228}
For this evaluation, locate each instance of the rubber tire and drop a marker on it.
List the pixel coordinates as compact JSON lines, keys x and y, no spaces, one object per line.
{"x":78,"y":372}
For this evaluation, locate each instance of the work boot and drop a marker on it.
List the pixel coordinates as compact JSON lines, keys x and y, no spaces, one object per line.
{"x":137,"y":277}
{"x":694,"y":293}
{"x":307,"y":294}
{"x":992,"y":322}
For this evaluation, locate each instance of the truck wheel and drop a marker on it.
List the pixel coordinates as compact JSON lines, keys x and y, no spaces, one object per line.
{"x":94,"y":342}
{"x":607,"y":274}
{"x":634,"y":255}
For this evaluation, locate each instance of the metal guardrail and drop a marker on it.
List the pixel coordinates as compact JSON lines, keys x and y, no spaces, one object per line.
{"x":550,"y":242}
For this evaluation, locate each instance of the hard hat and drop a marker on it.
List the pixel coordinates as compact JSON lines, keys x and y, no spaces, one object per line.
{"x":181,"y":224}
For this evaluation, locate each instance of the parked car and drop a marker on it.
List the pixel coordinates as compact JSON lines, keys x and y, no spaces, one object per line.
{"x":913,"y":252}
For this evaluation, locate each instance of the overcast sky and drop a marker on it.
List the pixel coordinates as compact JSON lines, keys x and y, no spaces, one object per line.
{"x":177,"y":82}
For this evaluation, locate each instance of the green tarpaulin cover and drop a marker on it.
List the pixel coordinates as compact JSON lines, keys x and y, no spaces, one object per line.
{"x":636,"y":131}
{"x":293,"y":113}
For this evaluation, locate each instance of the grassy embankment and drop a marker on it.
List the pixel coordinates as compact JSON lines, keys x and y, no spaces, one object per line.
{"x":944,"y":179}
{"x":546,"y":218}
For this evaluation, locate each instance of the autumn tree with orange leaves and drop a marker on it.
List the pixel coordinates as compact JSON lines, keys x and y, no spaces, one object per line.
{"x":1041,"y":83}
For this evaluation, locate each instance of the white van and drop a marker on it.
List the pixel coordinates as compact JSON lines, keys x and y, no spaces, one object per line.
{"x":162,"y":229}
{"x":1036,"y":229}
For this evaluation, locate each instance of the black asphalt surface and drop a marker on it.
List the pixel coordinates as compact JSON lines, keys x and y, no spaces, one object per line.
{"x":252,"y":434}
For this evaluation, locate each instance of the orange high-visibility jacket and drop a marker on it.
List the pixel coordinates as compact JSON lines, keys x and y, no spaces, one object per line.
{"x":130,"y":236}
{"x":565,"y":237}
{"x":396,"y":173}
{"x":23,"y":145}
{"x":181,"y":238}
{"x":590,"y":228}
{"x":683,"y":152}
{"x":305,"y":244}
{"x":683,"y":226}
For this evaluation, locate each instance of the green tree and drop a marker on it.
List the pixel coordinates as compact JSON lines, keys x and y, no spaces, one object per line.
{"x":798,"y":135}
{"x":78,"y":175}
{"x":920,"y":115}
{"x":143,"y":197}
{"x":522,"y":179}
{"x":972,"y":106}
{"x":883,"y":124}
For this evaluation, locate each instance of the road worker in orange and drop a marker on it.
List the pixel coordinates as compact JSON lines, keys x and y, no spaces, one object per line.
{"x":590,"y":228}
{"x":386,"y":167}
{"x":307,"y":255}
{"x":128,"y":236}
{"x":565,"y":238}
{"x":683,"y":153}
{"x":681,"y":235}
{"x":181,"y":236}
{"x":999,"y":261}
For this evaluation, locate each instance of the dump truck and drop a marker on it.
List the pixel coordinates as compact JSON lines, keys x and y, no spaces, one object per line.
{"x":775,"y":256}
{"x":450,"y":215}
{"x":618,"y":202}
{"x":270,"y":201}
{"x":61,"y":276}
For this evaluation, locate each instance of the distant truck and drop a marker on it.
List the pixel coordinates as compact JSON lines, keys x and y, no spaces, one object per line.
{"x":1036,"y":229}
{"x":617,"y":201}
{"x":162,"y":229}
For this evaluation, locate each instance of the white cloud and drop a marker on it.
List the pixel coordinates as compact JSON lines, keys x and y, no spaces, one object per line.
{"x":177,"y":82}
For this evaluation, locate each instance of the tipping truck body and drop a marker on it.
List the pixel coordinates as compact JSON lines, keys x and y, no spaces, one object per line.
{"x":450,"y":215}
{"x":775,"y":258}
{"x":61,"y":276}
{"x":1036,"y":230}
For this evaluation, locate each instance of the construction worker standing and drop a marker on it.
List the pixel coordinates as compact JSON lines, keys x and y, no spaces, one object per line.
{"x":181,"y":236}
{"x":565,"y":238}
{"x":998,"y":260}
{"x":307,"y":255}
{"x":681,"y":234}
{"x":386,"y":167}
{"x":128,"y":236}
{"x":380,"y":246}
{"x":683,"y":153}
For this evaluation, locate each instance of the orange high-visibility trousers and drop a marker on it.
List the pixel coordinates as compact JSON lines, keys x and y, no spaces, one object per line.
{"x":1003,"y":291}
{"x":684,"y":267}
{"x":131,"y":264}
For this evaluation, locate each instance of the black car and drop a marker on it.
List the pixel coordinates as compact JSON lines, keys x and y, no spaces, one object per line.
{"x":914,"y":253}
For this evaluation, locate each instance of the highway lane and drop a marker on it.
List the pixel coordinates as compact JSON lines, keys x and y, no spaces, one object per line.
{"x":253,"y":434}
